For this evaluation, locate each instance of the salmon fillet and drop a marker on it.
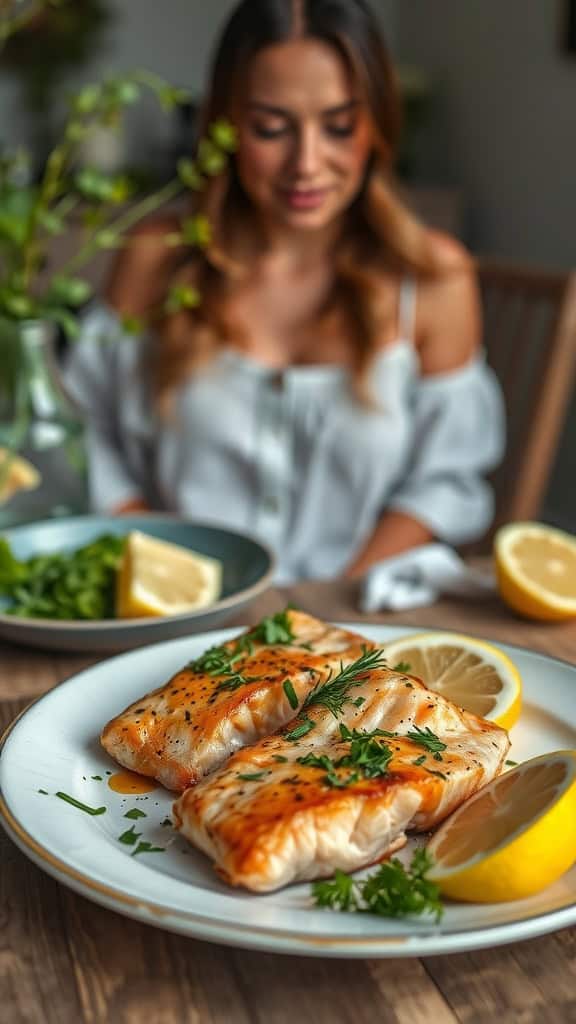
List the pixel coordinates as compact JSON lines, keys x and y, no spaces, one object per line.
{"x":229,"y":698}
{"x":329,"y":792}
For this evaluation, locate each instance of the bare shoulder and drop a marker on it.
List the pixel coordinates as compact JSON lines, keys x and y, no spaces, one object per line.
{"x":449,"y":318}
{"x":141,"y":269}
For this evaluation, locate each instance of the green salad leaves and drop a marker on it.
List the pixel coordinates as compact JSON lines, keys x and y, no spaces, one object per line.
{"x":67,"y":585}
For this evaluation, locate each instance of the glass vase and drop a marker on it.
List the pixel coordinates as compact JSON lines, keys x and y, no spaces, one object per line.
{"x":42,"y":452}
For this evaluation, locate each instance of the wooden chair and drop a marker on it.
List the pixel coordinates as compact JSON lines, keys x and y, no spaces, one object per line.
{"x":530,"y":341}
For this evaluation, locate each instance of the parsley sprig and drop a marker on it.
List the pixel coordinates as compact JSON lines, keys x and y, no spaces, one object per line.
{"x":427,"y":739}
{"x":391,"y":891}
{"x":221,"y":660}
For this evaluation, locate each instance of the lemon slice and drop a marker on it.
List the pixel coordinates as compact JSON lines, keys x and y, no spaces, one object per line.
{"x":471,"y":673}
{"x":536,"y":570}
{"x":16,"y":474}
{"x":158,"y":578}
{"x":514,"y":837}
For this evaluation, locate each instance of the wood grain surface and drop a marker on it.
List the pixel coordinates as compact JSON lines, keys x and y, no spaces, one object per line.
{"x":64,"y":960}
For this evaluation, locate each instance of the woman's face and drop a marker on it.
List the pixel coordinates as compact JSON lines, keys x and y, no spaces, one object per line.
{"x":304,"y":136}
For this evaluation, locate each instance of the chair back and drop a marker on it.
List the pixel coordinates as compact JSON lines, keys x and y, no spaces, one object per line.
{"x":530,"y":341}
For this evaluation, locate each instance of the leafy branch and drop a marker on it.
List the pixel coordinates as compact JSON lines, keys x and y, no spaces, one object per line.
{"x":31,"y":215}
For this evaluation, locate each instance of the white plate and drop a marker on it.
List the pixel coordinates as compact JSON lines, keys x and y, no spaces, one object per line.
{"x":54,"y":746}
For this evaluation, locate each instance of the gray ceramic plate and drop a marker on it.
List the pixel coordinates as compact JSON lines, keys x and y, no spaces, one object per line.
{"x":247,"y":571}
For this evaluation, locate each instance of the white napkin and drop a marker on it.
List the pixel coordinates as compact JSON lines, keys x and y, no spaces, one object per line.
{"x":419,"y":577}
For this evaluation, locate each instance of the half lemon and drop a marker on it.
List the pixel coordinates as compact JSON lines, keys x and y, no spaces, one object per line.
{"x":158,"y":578}
{"x":16,"y":474}
{"x":515,"y":837}
{"x":473,"y":674}
{"x":536,"y":570}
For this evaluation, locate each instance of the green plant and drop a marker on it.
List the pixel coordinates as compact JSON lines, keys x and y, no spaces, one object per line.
{"x":31,"y":215}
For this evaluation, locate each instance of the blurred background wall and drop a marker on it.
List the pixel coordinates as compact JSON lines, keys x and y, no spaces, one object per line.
{"x":504,"y":127}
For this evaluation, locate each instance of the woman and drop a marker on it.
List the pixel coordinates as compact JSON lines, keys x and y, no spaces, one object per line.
{"x":328,"y":394}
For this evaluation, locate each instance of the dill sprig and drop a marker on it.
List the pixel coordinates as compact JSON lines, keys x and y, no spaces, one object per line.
{"x":334,"y":692}
{"x":391,"y":891}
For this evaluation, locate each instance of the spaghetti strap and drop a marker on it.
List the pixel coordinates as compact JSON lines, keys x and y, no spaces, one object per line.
{"x":407,"y":309}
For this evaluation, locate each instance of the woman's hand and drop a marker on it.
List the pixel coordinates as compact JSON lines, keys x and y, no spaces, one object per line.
{"x":127,"y":507}
{"x":396,"y":532}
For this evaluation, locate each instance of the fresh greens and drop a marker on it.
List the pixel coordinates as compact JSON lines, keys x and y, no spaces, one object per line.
{"x":391,"y":891}
{"x":135,"y":813}
{"x":65,"y":585}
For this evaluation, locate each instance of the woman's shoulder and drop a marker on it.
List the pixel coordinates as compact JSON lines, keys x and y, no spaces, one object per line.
{"x":448,"y":321}
{"x":141,"y":270}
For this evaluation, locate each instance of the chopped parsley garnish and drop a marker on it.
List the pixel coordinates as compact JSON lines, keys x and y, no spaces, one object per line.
{"x":81,"y":807}
{"x":402,"y":666}
{"x":130,"y":838}
{"x":145,"y":847}
{"x":135,"y":813}
{"x":440,"y":775}
{"x":44,"y":792}
{"x":252,"y":776}
{"x":419,"y":760}
{"x":221,"y":661}
{"x":302,"y":729}
{"x":97,"y":778}
{"x":290,"y":693}
{"x":426,"y":738}
{"x":391,"y":891}
{"x":368,"y":758}
{"x":511,"y":764}
{"x":333,"y":694}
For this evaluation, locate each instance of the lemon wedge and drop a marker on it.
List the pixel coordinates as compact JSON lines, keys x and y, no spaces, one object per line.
{"x":159,"y":578}
{"x":516,"y":836}
{"x":471,"y":673}
{"x":16,"y":474}
{"x":536,"y":570}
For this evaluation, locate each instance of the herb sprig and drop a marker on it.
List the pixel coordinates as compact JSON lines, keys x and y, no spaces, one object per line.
{"x":334,"y":692}
{"x":427,"y":739}
{"x":221,"y":660}
{"x":391,"y":891}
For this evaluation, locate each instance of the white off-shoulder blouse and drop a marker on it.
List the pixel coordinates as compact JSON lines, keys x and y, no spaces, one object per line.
{"x":292,"y":457}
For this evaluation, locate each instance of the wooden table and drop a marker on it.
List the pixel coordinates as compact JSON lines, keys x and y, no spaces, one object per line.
{"x":64,"y":960}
